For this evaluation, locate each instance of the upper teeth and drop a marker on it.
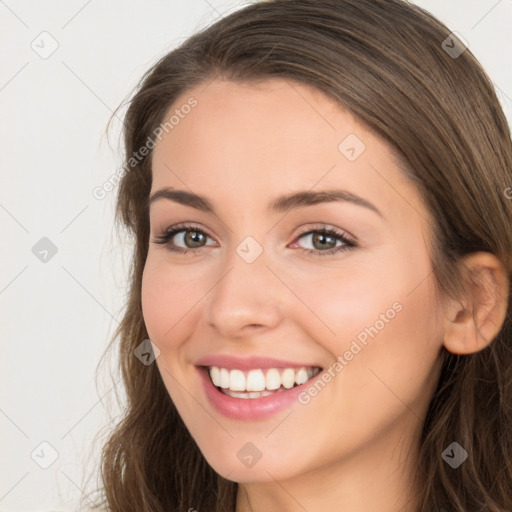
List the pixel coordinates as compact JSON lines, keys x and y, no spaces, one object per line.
{"x":257,"y":380}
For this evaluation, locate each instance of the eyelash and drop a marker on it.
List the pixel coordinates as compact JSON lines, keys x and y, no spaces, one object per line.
{"x":166,"y":237}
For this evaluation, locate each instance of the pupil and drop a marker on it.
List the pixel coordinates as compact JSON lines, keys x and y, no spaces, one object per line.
{"x":323,"y":237}
{"x":193,"y":236}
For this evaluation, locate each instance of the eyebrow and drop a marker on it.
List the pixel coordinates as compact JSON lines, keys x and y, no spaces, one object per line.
{"x":282,"y":204}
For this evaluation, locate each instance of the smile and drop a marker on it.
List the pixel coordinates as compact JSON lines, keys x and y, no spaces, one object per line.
{"x":258,"y":382}
{"x":253,"y":389}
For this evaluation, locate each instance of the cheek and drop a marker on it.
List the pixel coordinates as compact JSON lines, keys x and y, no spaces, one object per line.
{"x":339,"y":304}
{"x":387,"y":371}
{"x":393,"y":377}
{"x":380,"y":318}
{"x":153,"y":301}
{"x":398,"y":350}
{"x":168,"y":298}
{"x":167,"y":301}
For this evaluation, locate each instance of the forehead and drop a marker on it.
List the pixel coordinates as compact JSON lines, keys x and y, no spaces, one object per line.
{"x":245,"y":142}
{"x":276,"y":117}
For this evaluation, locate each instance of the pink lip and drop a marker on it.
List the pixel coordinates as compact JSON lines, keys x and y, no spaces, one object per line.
{"x":250,"y":409}
{"x":248,"y":363}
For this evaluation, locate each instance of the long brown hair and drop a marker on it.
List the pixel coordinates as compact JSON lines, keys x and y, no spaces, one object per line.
{"x":387,"y":62}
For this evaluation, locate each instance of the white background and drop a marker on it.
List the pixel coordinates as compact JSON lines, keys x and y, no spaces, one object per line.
{"x":57,"y":317}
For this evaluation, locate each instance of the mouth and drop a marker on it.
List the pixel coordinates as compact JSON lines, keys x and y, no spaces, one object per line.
{"x":253,"y":388}
{"x":259,"y":382}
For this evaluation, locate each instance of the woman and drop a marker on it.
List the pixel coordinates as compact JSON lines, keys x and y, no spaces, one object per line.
{"x":377,"y":377}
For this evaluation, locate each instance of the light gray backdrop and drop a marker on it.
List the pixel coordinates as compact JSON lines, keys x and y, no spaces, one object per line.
{"x":65,"y":66}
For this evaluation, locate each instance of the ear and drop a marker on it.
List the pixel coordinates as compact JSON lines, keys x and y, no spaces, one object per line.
{"x":474,"y":321}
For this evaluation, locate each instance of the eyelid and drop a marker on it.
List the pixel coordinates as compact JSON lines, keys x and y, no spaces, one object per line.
{"x":187,"y":226}
{"x":319,"y":226}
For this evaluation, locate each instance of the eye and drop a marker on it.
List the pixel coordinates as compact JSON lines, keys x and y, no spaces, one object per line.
{"x":326,"y":241}
{"x":191,"y":236}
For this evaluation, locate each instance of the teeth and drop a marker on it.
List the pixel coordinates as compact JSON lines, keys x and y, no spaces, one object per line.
{"x":288,"y":378}
{"x":237,"y":380}
{"x":272,"y":379}
{"x":224,"y":378}
{"x":215,"y":375}
{"x":256,"y":383}
{"x":301,"y":376}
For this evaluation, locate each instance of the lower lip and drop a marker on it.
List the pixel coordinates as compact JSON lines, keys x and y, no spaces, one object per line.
{"x":251,"y":409}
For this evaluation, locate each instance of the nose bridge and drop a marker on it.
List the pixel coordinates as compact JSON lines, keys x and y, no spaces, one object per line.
{"x":247,"y":294}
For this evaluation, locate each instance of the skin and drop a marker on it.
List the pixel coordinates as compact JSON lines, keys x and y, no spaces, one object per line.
{"x":354,"y":445}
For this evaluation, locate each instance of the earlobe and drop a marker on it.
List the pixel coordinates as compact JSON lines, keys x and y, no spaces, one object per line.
{"x":473,"y":322}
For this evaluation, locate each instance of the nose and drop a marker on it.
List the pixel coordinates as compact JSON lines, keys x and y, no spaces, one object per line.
{"x":248,"y":298}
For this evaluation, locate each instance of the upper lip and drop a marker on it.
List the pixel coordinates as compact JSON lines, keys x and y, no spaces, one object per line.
{"x":249,"y":363}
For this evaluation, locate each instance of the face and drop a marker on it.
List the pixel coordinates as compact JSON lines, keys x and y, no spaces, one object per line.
{"x":293,"y":334}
